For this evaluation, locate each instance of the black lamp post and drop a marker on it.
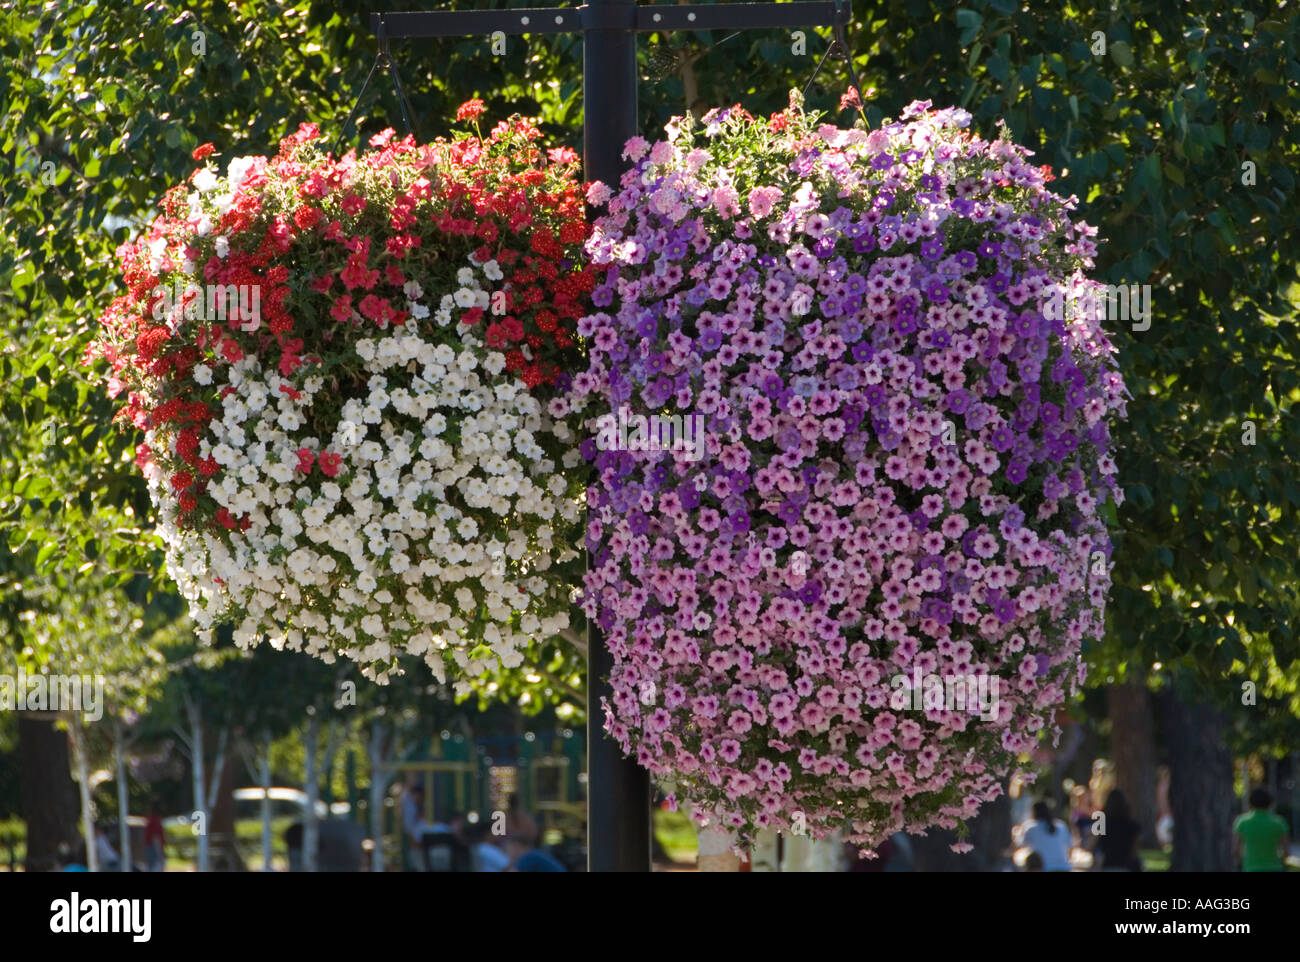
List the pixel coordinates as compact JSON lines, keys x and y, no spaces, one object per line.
{"x":618,"y":789}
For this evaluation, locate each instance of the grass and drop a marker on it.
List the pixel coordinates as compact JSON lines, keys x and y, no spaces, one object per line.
{"x":676,"y":834}
{"x":1155,"y":860}
{"x":182,"y":844}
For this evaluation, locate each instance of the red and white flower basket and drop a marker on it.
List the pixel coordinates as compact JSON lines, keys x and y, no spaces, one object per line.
{"x":341,"y":368}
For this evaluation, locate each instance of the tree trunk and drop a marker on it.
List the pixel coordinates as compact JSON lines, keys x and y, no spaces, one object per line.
{"x":221,"y":806}
{"x":123,"y":803}
{"x":198,"y":784}
{"x":332,"y":739}
{"x":78,"y":735}
{"x":378,"y":783}
{"x":1200,"y":786}
{"x":1133,"y":747}
{"x":310,"y":833}
{"x":264,"y":780}
{"x":48,"y":796}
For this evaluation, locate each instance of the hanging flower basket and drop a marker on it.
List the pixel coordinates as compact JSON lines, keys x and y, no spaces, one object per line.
{"x":859,"y":595}
{"x":341,"y":369}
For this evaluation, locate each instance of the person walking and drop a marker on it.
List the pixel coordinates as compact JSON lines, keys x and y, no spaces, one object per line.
{"x":1260,"y":837}
{"x":155,"y":840}
{"x":1118,"y":844}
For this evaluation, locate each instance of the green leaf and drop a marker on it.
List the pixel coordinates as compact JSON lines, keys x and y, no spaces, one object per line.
{"x":969,"y":23}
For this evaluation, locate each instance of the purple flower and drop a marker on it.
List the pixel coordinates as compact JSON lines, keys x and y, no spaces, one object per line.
{"x":936,"y":290}
{"x":810,"y":593}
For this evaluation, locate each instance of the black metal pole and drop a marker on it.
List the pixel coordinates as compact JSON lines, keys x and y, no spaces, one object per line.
{"x":618,"y":789}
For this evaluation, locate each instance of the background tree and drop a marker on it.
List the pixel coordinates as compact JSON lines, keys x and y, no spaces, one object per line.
{"x":1175,"y":125}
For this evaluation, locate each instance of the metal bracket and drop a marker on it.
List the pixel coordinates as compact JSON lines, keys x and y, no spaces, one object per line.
{"x":641,"y":18}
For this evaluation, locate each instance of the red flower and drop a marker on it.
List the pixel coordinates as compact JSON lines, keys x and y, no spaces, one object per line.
{"x":330,"y":463}
{"x":306,"y":458}
{"x":306,"y":217}
{"x":562,"y":155}
{"x":470,"y":109}
{"x":181,"y":480}
{"x":356,"y":274}
{"x":376,"y":308}
{"x":342,"y":309}
{"x":202,"y":150}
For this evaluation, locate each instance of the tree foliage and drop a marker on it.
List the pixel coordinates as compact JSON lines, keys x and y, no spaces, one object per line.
{"x":1148,"y":111}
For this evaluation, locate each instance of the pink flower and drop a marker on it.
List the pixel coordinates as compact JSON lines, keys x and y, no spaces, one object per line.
{"x":635,"y":149}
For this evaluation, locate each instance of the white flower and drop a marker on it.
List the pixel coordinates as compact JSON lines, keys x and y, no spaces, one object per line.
{"x":202,"y":374}
{"x":493,"y":271}
{"x":205,"y":180}
{"x":365,"y":349}
{"x":239,"y":169}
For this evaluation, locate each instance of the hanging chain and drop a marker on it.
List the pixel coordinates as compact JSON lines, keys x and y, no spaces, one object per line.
{"x":384,"y":56}
{"x":839,"y":49}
